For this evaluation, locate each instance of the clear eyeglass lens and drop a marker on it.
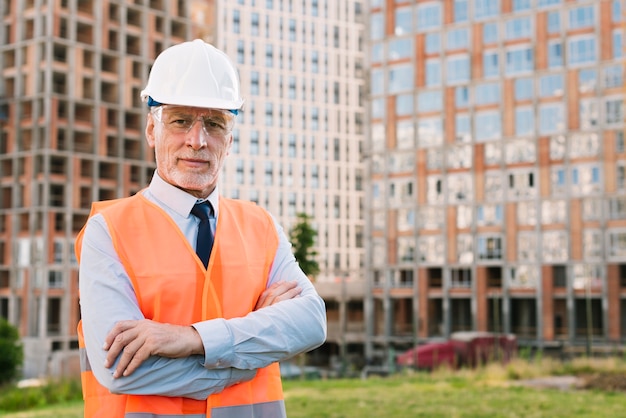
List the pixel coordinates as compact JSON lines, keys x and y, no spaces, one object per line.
{"x":215,"y":122}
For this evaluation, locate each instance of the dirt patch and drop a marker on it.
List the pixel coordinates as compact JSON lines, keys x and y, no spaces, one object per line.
{"x":554,"y":382}
{"x":605,"y":381}
{"x":610,"y":382}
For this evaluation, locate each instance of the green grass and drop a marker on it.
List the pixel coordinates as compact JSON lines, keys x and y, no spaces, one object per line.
{"x":489,"y":391}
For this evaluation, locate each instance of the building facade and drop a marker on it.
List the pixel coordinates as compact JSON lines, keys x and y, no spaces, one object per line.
{"x":299,"y":141}
{"x":71,"y":132}
{"x":497,"y":182}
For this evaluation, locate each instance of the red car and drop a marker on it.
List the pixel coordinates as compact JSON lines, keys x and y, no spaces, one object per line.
{"x":463,"y":349}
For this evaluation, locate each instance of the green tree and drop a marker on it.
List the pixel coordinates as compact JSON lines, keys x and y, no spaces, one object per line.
{"x":11,"y":352}
{"x":302,"y":237}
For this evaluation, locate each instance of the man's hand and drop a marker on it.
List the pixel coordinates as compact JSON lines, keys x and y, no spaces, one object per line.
{"x":139,"y":339}
{"x":278,"y":292}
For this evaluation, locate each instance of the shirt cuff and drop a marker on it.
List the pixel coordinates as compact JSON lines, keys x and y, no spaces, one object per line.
{"x":217,"y":341}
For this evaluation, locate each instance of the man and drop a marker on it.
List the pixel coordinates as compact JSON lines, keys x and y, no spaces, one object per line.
{"x":166,"y":332}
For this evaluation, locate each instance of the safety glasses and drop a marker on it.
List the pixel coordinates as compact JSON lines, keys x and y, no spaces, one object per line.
{"x":180,"y":119}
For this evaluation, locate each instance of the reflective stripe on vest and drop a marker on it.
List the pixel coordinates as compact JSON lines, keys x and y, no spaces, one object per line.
{"x":260,"y":410}
{"x":190,"y":293}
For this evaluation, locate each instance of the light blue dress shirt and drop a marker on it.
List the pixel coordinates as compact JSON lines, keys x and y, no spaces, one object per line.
{"x":234,"y":348}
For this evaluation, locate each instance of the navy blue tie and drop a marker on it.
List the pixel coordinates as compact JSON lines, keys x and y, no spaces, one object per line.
{"x":204,"y":242}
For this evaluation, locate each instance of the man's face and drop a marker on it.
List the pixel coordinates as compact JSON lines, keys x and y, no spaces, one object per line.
{"x":190,"y":145}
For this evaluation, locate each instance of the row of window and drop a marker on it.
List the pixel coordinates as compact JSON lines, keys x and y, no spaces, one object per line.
{"x":486,"y":125}
{"x":547,"y":247}
{"x":427,"y":16}
{"x":528,"y":213}
{"x":498,"y":185}
{"x":518,"y":61}
{"x":514,"y":151}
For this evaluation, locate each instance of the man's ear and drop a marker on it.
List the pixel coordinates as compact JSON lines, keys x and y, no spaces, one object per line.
{"x":150,"y":127}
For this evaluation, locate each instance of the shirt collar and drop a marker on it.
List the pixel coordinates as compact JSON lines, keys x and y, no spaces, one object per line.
{"x":178,"y":200}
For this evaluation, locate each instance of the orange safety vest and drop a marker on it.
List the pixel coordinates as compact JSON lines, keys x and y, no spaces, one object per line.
{"x":187,"y":293}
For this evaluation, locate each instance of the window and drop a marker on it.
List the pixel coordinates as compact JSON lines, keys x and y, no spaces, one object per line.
{"x":236,"y":21}
{"x":617,"y":11}
{"x":377,"y":53}
{"x":553,"y":212}
{"x":463,"y":128}
{"x":584,"y":145}
{"x":547,"y":3}
{"x":587,"y":80}
{"x":461,"y":97}
{"x":406,"y":249}
{"x":521,"y":184}
{"x":558,"y":181}
{"x":434,"y":190}
{"x":519,"y":5}
{"x":526,"y":247}
{"x":617,"y":245}
{"x":585,"y":179}
{"x":465,"y":248}
{"x":581,"y":17}
{"x":519,"y":60}
{"x":527,"y":213}
{"x":551,"y":118}
{"x":429,"y":101}
{"x":554,"y":22}
{"x":406,"y":219}
{"x":404,"y":24}
{"x":614,"y":111}
{"x":489,"y":248}
{"x":524,"y":89}
{"x":433,"y":42}
{"x":620,"y":146}
{"x":460,"y":11}
{"x":592,"y":244}
{"x":581,"y":50}
{"x":433,"y":72}
{"x":428,"y":16}
{"x":431,"y":249}
{"x":405,"y":135}
{"x":518,"y":28}
{"x":488,"y":93}
{"x":520,"y":151}
{"x":613,"y":76}
{"x":490,"y":33}
{"x":457,"y":39}
{"x":494,"y":189}
{"x":490,"y":64}
{"x":458,"y":69}
{"x":551,"y":85}
{"x":459,"y":156}
{"x":588,"y":114}
{"x":618,"y":44}
{"x":460,"y":187}
{"x":486,"y":8}
{"x":377,"y":82}
{"x":524,"y":121}
{"x":555,"y":54}
{"x":430,"y":217}
{"x":617,"y":207}
{"x":487,"y":125}
{"x":404,"y":104}
{"x":400,"y":48}
{"x":524,"y":276}
{"x":554,"y":246}
{"x":489,"y":215}
{"x":429,"y":132}
{"x":377,"y":26}
{"x":401,"y":78}
{"x":620,"y":175}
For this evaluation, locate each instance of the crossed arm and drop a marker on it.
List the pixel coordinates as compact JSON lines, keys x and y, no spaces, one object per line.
{"x":133,"y":341}
{"x":130,"y":354}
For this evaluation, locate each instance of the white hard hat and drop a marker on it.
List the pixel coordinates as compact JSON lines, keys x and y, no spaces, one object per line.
{"x":193,"y":74}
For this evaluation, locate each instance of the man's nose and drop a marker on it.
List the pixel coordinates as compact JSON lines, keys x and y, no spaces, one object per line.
{"x":197,"y":136}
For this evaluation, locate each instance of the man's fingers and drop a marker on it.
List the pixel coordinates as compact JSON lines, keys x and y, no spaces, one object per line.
{"x":131,"y":355}
{"x":278,"y":292}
